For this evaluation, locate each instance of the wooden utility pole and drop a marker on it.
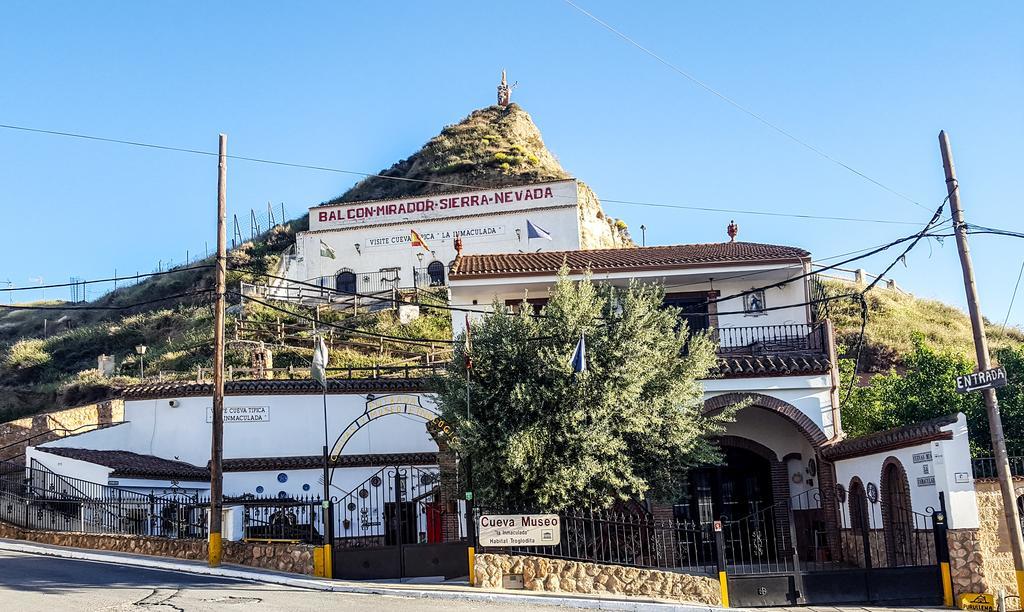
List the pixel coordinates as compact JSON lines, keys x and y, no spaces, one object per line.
{"x":995,"y":423}
{"x":217,"y":438}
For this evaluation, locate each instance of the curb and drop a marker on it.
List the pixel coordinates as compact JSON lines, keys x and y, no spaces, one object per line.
{"x":356,"y":588}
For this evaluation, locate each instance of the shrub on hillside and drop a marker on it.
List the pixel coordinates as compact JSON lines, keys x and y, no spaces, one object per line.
{"x":27,"y":354}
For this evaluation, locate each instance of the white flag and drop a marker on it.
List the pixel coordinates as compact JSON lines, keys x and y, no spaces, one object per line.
{"x":320,"y":358}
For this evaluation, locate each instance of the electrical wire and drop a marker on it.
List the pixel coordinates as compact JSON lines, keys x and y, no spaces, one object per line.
{"x":353,"y":330}
{"x":740,"y":107}
{"x":108,"y":280}
{"x":1013,"y":297}
{"x":123,"y":307}
{"x":322,"y":168}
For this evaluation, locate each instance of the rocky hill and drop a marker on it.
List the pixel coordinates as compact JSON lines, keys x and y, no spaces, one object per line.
{"x":494,"y":146}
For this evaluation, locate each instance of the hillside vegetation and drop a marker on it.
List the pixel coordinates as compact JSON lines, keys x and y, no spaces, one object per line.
{"x":895,"y":318}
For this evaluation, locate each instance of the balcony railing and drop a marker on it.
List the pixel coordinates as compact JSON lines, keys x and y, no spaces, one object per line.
{"x":772,"y":339}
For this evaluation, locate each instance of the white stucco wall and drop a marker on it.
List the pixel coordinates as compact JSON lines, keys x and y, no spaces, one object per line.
{"x":950,"y":466}
{"x":811,"y":395}
{"x":384,"y":242}
{"x":480,"y":294}
{"x":295,"y":428}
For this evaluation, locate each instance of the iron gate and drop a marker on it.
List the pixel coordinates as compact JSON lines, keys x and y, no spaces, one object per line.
{"x":398,"y":524}
{"x":835,"y":547}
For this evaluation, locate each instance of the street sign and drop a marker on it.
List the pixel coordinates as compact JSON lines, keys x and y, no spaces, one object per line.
{"x":977,"y":381}
{"x":519,"y":530}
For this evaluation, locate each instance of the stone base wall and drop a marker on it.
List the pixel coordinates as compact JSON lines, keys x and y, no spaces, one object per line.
{"x":556,"y":575}
{"x":993,"y":539}
{"x":284,"y":557}
{"x":34,"y":430}
{"x":967,"y":562}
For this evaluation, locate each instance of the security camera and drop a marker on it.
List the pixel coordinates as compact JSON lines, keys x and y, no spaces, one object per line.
{"x":174,"y":403}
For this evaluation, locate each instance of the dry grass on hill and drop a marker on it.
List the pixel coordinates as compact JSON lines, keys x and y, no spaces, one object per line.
{"x":894,"y":318}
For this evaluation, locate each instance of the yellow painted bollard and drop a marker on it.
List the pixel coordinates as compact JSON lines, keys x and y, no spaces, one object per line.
{"x":328,"y":561}
{"x":318,"y":562}
{"x":214,"y":549}
{"x":472,"y":565}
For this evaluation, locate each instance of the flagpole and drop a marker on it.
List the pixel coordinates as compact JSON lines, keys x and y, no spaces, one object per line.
{"x":326,"y":505}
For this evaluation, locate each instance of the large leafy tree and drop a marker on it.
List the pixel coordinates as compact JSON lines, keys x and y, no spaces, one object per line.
{"x":541,"y":436}
{"x":926,"y":388}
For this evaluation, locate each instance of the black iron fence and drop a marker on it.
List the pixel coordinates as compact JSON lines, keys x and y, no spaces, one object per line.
{"x":629,"y":538}
{"x":295,"y":519}
{"x":985,"y":467}
{"x":36,"y":498}
{"x":772,"y":339}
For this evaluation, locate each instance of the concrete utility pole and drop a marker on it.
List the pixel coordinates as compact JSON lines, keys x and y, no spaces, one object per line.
{"x":995,"y":423}
{"x":217,"y":441}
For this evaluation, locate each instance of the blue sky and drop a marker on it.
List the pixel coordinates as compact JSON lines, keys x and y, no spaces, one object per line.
{"x":360,"y":85}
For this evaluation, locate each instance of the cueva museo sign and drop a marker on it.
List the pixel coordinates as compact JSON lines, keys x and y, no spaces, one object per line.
{"x":519,"y":530}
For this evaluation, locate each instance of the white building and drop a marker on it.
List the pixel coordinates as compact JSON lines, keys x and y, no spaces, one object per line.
{"x":368,"y":246}
{"x":788,"y":444}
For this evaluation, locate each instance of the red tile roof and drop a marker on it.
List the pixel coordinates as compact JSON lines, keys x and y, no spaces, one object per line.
{"x":127,"y":464}
{"x":633,"y":258}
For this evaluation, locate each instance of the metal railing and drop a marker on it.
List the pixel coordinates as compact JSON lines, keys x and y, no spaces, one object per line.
{"x":412,"y":370}
{"x":295,"y":519}
{"x":359,"y":282}
{"x":426,"y":278}
{"x":37,"y":498}
{"x":772,"y":339}
{"x":985,"y":467}
{"x":633,"y":539}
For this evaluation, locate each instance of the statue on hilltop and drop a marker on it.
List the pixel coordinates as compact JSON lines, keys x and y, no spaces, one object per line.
{"x":505,"y":91}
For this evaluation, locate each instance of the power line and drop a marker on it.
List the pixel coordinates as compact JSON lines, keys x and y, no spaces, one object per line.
{"x":322,"y":168}
{"x":1014,"y":296}
{"x":760,"y":212}
{"x":740,"y":107}
{"x":106,"y":280}
{"x":354,"y":330}
{"x":123,"y":307}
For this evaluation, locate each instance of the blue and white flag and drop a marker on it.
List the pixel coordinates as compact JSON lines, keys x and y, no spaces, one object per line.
{"x":579,"y":356}
{"x":536,"y":231}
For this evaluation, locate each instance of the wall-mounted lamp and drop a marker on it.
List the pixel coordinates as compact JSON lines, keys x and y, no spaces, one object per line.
{"x":359,"y":249}
{"x":419,"y":256}
{"x":519,"y":234}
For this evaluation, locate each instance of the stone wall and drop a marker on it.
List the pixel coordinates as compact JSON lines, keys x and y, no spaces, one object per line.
{"x":284,"y":557}
{"x":34,"y":430}
{"x":993,"y":539}
{"x":967,"y":561}
{"x":556,"y":575}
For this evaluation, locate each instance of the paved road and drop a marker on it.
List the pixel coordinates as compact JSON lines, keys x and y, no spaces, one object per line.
{"x":30,"y":583}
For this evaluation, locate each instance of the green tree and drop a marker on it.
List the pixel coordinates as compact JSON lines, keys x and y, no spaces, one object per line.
{"x":628,"y":427}
{"x":926,"y":388}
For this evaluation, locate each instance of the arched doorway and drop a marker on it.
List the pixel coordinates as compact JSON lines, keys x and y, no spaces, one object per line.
{"x":739,"y":486}
{"x":435,"y":272}
{"x":858,"y":501}
{"x":345,"y":282}
{"x":897,"y":514}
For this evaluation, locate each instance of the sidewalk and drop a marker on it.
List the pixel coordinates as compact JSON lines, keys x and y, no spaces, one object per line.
{"x":440,"y":591}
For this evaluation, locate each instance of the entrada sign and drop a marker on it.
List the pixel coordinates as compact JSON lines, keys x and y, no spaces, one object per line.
{"x":519,"y":530}
{"x":986,"y":379}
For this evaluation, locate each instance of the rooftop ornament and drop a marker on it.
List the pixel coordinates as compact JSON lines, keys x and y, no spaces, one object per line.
{"x":733,"y":230}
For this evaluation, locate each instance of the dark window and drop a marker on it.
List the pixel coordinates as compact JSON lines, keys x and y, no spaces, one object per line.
{"x":435,"y":270}
{"x":345,"y":282}
{"x":534,"y":303}
{"x":692,"y":309}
